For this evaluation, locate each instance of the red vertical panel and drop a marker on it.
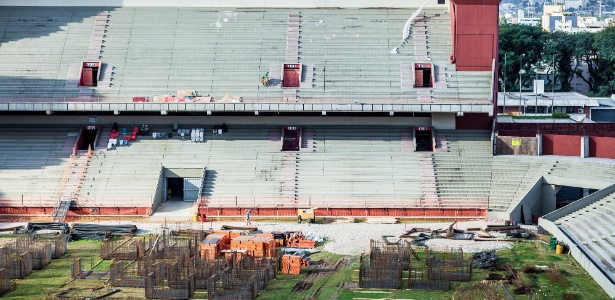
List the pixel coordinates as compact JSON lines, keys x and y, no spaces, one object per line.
{"x":291,"y":78}
{"x":565,"y":145}
{"x":475,"y":121}
{"x":475,"y":29}
{"x":474,"y":51}
{"x":418,"y":78}
{"x":603,"y":147}
{"x":87,"y":78}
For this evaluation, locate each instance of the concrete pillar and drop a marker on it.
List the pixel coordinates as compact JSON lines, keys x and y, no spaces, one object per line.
{"x":443,"y":120}
{"x":585,"y":146}
{"x":548,"y":198}
{"x":585,"y":192}
{"x":539,"y":144}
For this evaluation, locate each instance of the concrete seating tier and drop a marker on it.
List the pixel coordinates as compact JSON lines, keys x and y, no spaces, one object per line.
{"x":592,"y":227}
{"x":157,"y":51}
{"x":32,"y":161}
{"x":603,"y":171}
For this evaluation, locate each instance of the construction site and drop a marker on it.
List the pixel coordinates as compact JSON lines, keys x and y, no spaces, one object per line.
{"x":287,"y":149}
{"x":238,"y":262}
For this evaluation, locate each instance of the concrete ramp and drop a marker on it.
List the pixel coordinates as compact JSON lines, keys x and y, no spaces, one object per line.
{"x":173,"y":211}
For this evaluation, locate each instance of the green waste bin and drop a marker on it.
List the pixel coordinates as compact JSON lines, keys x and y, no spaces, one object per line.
{"x":553,"y":243}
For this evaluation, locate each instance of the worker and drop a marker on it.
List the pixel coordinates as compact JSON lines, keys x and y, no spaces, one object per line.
{"x":247,"y":217}
{"x":298,"y":219}
{"x":265,"y":79}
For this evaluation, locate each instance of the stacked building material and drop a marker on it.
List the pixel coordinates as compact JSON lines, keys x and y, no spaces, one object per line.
{"x":292,"y":263}
{"x":255,"y":246}
{"x":298,"y":240}
{"x":211,"y":246}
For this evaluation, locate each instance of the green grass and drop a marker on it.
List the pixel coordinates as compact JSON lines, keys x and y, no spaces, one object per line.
{"x":57,"y":273}
{"x":333,"y":285}
{"x":532,"y":252}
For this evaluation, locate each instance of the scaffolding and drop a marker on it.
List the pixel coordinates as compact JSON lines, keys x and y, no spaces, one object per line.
{"x":169,"y":280}
{"x":401,"y":249}
{"x":448,"y":263}
{"x":384,"y":270}
{"x":126,"y":249}
{"x":5,"y":280}
{"x":232,"y":284}
{"x":128,"y":273}
{"x":205,"y":268}
{"x":420,"y":277}
{"x":41,"y":252}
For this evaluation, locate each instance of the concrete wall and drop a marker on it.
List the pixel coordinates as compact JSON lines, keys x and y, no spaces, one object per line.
{"x":182,"y":172}
{"x":528,"y":145}
{"x":160,"y":192}
{"x":549,"y":191}
{"x":474,"y":121}
{"x":212,"y":120}
{"x":533,"y":198}
{"x":228,"y":3}
{"x":163,"y":108}
{"x":443,"y":120}
{"x":576,"y":182}
{"x":566,"y":145}
{"x":602,"y":147}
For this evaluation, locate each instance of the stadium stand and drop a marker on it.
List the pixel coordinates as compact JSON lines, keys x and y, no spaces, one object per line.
{"x":586,"y":227}
{"x":32,"y":160}
{"x":157,"y":51}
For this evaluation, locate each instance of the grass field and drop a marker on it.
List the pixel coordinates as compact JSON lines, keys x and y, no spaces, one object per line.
{"x":338,"y":279}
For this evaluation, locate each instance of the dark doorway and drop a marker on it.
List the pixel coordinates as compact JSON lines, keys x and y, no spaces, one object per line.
{"x":423,"y":139}
{"x":88,"y":137}
{"x":89,"y":74}
{"x":291,"y":138}
{"x":422,"y":75}
{"x":568,"y":194}
{"x":175,"y":189}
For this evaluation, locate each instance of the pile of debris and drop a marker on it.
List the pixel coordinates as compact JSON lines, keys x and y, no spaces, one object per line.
{"x":420,"y":235}
{"x":489,"y":260}
{"x":298,"y":240}
{"x":97,"y":231}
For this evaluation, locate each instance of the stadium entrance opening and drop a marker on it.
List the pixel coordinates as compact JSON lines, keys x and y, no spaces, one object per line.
{"x":89,"y":73}
{"x":175,"y":189}
{"x":291,"y":138}
{"x":423,"y":138}
{"x":182,"y":184}
{"x":423,"y":75}
{"x":87,"y":138}
{"x":291,"y":76}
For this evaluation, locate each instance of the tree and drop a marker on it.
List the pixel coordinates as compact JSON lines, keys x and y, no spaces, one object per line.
{"x":521,"y":44}
{"x":599,"y":68}
{"x":560,"y":48}
{"x":604,"y":42}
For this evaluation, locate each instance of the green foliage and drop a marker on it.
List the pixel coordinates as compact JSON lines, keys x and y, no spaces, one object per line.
{"x":524,"y":47}
{"x":560,"y":115}
{"x":521,"y":46}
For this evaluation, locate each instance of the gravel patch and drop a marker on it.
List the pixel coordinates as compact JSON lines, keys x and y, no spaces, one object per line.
{"x":347,"y":238}
{"x":342,"y":238}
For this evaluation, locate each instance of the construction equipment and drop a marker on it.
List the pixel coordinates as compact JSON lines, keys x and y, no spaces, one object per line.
{"x":306,"y":214}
